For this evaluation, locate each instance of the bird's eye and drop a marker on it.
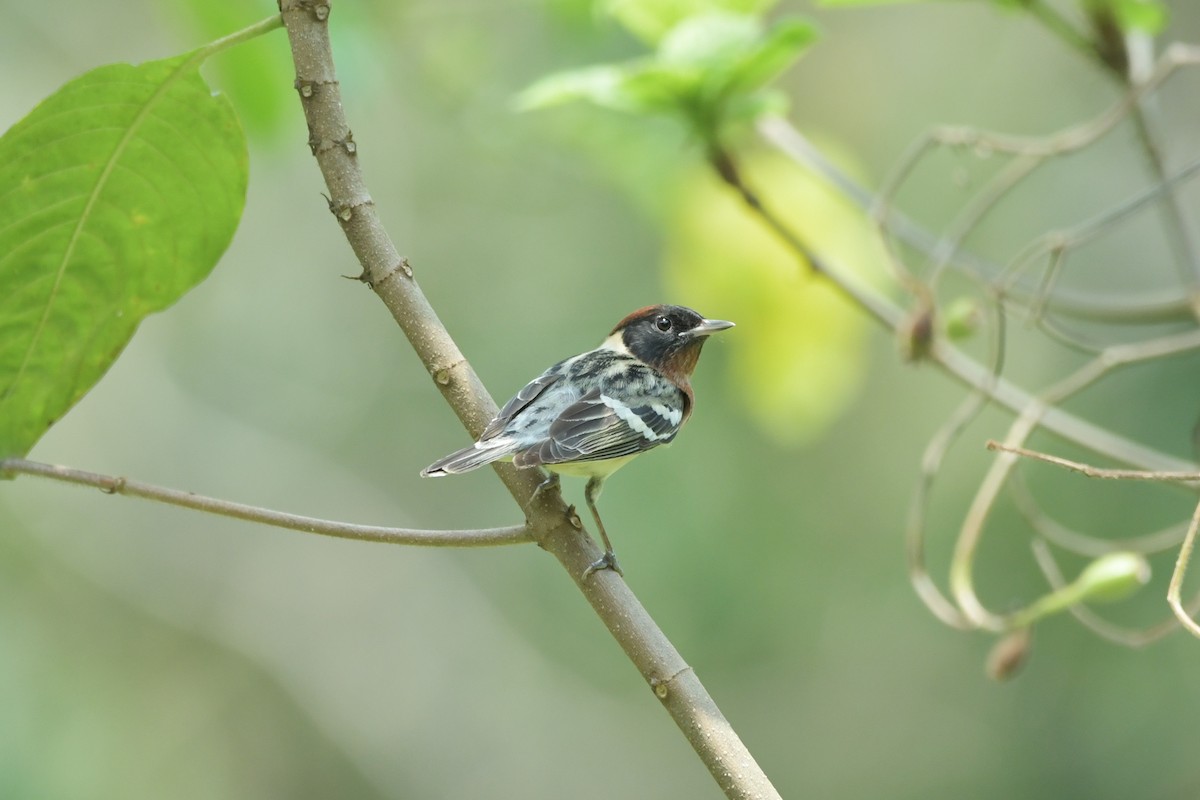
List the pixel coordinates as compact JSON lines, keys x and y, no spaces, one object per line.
{"x":663,"y":324}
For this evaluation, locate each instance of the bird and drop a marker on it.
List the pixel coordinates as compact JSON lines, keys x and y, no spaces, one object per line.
{"x":589,"y":415}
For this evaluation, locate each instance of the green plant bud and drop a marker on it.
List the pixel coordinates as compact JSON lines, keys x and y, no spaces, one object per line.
{"x":1113,"y":577}
{"x":962,"y":318}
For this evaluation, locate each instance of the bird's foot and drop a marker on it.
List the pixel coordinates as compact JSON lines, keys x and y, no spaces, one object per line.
{"x":606,"y":561}
{"x":549,"y":483}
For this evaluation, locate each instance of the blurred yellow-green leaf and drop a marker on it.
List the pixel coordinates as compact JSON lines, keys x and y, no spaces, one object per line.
{"x":650,"y":20}
{"x":798,"y":357}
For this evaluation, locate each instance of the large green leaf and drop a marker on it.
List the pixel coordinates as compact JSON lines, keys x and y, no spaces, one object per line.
{"x":117,"y":194}
{"x":711,"y":69}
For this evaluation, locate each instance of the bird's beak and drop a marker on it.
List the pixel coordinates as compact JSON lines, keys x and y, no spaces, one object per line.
{"x":709,"y":326}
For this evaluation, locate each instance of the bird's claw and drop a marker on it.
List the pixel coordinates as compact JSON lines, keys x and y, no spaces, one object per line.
{"x":550,"y":482}
{"x":606,"y":561}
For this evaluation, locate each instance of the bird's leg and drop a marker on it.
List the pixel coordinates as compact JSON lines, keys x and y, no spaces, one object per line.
{"x":550,"y":482}
{"x":609,"y":559}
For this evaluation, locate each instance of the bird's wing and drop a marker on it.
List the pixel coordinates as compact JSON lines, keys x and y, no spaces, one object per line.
{"x":598,"y":427}
{"x":521,"y":400}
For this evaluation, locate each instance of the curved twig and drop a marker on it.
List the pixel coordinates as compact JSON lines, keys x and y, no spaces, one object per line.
{"x":1083,"y":544}
{"x":1010,"y":451}
{"x":1161,"y":305}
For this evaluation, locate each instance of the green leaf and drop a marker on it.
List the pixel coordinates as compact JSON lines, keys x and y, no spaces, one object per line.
{"x":601,"y":85}
{"x":777,"y":51}
{"x":1148,"y":16}
{"x":650,"y":20}
{"x":636,"y":86}
{"x":845,"y":3}
{"x":707,"y":69}
{"x":710,"y":40}
{"x":118,"y":193}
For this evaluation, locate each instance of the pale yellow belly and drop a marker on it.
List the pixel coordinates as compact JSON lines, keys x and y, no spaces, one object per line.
{"x":591,"y":469}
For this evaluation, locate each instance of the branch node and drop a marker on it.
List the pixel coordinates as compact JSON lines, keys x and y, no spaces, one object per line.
{"x":114,"y":486}
{"x":402,"y":267}
{"x":662,"y":686}
{"x":317,"y":9}
{"x":309,"y":89}
{"x":444,"y":375}
{"x":345,"y":211}
{"x":346,"y":144}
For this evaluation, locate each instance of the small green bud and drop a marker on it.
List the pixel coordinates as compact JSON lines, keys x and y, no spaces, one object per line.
{"x":962,"y":318}
{"x":1113,"y":577}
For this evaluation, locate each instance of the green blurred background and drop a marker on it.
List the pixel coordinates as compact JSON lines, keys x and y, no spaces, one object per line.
{"x":149,"y":652}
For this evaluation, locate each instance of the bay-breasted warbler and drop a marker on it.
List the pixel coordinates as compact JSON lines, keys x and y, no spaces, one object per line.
{"x":590,"y":414}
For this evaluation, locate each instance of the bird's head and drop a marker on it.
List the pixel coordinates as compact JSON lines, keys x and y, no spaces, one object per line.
{"x":667,"y":338}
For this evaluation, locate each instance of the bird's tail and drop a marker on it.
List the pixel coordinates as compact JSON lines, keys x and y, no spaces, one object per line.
{"x":469,"y":458}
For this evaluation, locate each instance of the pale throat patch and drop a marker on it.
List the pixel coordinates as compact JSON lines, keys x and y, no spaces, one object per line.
{"x":615,"y":343}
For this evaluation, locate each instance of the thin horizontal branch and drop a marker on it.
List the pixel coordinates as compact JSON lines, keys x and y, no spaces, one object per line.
{"x":1098,"y":472}
{"x":485,"y":537}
